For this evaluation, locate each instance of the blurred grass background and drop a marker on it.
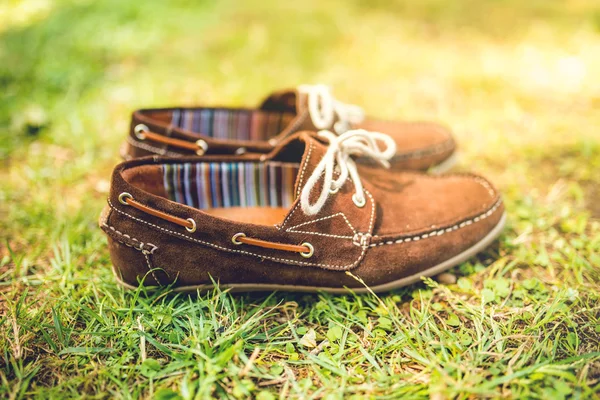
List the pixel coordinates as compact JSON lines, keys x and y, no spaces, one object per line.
{"x":517,"y":81}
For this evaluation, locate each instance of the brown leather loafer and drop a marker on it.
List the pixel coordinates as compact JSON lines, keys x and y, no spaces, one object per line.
{"x":177,"y":132}
{"x":303,"y":217}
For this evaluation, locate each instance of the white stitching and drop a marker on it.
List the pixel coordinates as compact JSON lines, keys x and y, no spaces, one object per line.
{"x":141,"y":248}
{"x":298,"y":205}
{"x":370,"y":222}
{"x":290,"y":214}
{"x":327,"y":266}
{"x":310,"y":147}
{"x":372,"y":211}
{"x":142,"y":244}
{"x":323,"y":218}
{"x":291,"y":228}
{"x":428,"y":151}
{"x":440,"y":232}
{"x":486,"y":185}
{"x":362,"y":239}
{"x":150,"y":267}
{"x":322,"y":234}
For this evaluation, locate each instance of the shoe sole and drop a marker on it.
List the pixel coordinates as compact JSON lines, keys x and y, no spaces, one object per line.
{"x":258,"y":287}
{"x":445,"y":165}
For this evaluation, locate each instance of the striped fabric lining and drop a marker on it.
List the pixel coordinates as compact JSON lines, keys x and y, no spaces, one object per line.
{"x":235,"y":124}
{"x":224,"y":185}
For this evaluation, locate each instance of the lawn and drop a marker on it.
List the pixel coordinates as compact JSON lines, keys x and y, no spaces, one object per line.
{"x":518,"y":83}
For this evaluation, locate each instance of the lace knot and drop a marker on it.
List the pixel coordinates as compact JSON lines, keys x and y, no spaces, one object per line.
{"x":324,"y":108}
{"x":342,"y":148}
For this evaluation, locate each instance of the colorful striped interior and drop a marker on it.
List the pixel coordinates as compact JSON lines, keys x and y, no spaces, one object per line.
{"x":234,"y":184}
{"x":238,"y":124}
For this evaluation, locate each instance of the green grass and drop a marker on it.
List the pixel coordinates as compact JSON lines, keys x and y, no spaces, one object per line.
{"x":516,"y":80}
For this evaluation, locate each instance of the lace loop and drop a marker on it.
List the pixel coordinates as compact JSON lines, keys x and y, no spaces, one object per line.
{"x":324,"y":108}
{"x":358,"y":142}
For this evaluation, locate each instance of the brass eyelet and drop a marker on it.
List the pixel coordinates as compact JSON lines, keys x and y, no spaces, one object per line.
{"x":360,"y":203}
{"x":235,"y":237}
{"x":123,"y":196}
{"x":240,"y":151}
{"x":193,"y":228}
{"x":202,"y":147}
{"x":139,"y":131}
{"x":310,"y":252}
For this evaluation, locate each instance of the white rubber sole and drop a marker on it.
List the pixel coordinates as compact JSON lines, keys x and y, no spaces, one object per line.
{"x":445,"y":165}
{"x":262,"y":287}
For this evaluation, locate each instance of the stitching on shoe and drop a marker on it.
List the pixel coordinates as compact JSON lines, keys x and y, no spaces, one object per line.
{"x":150,"y":268}
{"x":362,"y":239}
{"x":289,"y":216}
{"x":322,"y":234}
{"x":440,"y":232}
{"x":291,"y":228}
{"x":152,"y":149}
{"x":210,"y":244}
{"x":427,"y":151}
{"x":294,"y":126}
{"x":301,"y":179}
{"x":310,"y":147}
{"x":280,"y":227}
{"x":145,"y":252}
{"x":372,"y":211}
{"x":486,"y":185}
{"x":355,"y":233}
{"x":141,"y":244}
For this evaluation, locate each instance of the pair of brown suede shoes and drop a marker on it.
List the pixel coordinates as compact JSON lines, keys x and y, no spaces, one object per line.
{"x":303,"y":193}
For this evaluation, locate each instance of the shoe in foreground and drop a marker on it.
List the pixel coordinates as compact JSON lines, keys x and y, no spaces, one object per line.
{"x":304,"y":218}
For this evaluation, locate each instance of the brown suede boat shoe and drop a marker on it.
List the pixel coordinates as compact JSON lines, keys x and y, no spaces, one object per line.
{"x":177,"y":132}
{"x":304,"y":217}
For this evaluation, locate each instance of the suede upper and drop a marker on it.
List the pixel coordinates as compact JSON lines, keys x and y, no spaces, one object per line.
{"x":410,"y":222}
{"x":224,"y":130}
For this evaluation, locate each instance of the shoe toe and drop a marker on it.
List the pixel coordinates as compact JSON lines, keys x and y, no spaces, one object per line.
{"x":428,"y":224}
{"x":420,"y":145}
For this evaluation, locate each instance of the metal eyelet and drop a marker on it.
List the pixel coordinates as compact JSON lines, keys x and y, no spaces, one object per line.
{"x":235,"y":237}
{"x":240,"y":151}
{"x":273,"y":141}
{"x":193,"y":228}
{"x":123,"y":196}
{"x":310,"y":252}
{"x":360,"y":203}
{"x":139,"y":131}
{"x":202,"y":147}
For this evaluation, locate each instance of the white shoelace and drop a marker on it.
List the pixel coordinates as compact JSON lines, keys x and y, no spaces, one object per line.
{"x":323,"y":108}
{"x":339,"y":154}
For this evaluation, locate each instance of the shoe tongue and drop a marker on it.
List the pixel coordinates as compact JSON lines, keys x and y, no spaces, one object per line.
{"x":314,"y":151}
{"x":339,"y":211}
{"x":287,"y":100}
{"x":293,"y":101}
{"x":282,"y":100}
{"x":304,"y":148}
